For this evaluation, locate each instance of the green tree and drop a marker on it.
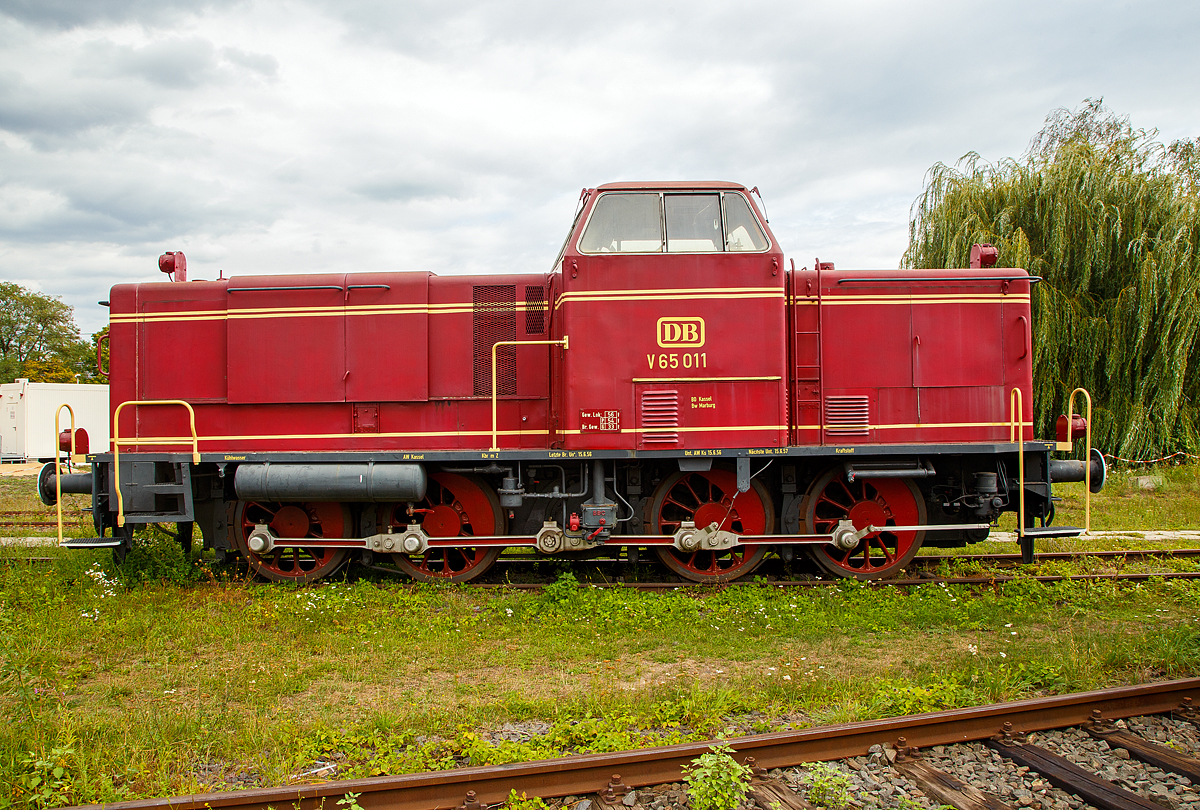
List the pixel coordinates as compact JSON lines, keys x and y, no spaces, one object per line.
{"x":39,"y":338}
{"x":1108,"y":217}
{"x":50,"y":370}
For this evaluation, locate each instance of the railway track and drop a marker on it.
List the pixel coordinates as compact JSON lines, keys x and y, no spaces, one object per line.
{"x":38,"y":519}
{"x":1015,"y":559}
{"x":920,"y":571}
{"x":991,"y":579}
{"x":1025,"y":745}
{"x":922,"y":568}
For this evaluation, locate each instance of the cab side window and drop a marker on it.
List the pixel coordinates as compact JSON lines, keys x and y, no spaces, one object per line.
{"x":741,"y":228}
{"x":624,"y":223}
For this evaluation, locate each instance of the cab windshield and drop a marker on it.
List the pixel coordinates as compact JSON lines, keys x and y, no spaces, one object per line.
{"x":664,"y":222}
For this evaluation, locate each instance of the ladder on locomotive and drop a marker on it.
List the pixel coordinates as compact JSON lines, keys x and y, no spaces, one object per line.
{"x":804,"y":327}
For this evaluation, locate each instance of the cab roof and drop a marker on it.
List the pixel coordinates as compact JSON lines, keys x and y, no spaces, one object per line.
{"x":672,"y":184}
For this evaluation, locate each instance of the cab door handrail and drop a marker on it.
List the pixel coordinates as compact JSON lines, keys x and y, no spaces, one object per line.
{"x":57,"y":461}
{"x":1087,"y":454}
{"x":117,"y":441}
{"x":563,"y":343}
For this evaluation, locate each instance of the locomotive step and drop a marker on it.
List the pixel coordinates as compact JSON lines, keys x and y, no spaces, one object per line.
{"x":1053,"y":531}
{"x":90,"y":542}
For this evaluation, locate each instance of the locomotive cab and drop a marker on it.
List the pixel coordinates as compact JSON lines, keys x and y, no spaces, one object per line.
{"x":671,"y":296}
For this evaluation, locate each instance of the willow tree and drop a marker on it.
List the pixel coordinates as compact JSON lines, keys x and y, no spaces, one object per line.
{"x":1108,"y":217}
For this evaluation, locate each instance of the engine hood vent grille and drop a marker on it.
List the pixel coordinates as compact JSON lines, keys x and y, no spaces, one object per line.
{"x":660,"y":417}
{"x":847,"y":415}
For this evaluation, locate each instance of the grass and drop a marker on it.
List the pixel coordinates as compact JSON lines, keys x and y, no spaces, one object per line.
{"x":1124,"y":504}
{"x":162,"y":689}
{"x":167,"y":676}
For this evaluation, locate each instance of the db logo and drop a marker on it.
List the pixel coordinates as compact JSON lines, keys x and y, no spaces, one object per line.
{"x":681,"y":333}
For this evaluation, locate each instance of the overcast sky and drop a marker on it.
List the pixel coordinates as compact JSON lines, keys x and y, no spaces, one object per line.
{"x":342,"y":135}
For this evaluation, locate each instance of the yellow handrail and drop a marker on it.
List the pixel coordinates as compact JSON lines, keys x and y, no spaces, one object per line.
{"x":1016,"y":427}
{"x":57,"y":466}
{"x":118,"y":441}
{"x":563,"y":343}
{"x":1087,"y":454}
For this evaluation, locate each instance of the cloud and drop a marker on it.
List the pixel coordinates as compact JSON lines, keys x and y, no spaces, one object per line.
{"x":174,"y":63}
{"x":67,"y":14}
{"x":399,"y":187}
{"x":262,"y":63}
{"x":49,"y":110}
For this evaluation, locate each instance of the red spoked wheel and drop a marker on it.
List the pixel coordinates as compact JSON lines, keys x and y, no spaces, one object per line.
{"x":454,"y":506}
{"x":865,"y":502}
{"x":705,"y":498}
{"x":293,"y":520}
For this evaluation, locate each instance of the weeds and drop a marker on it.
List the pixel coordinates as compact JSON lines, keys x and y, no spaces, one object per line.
{"x":716,"y":781}
{"x":521,"y":801}
{"x":826,"y":786}
{"x":158,"y":557}
{"x":562,"y":592}
{"x":894,"y":699}
{"x":48,"y":782}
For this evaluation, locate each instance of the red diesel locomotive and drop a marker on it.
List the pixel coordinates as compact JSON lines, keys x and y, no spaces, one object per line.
{"x":671,"y":385}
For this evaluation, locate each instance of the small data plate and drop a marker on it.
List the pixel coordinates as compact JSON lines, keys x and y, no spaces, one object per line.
{"x":593,"y":421}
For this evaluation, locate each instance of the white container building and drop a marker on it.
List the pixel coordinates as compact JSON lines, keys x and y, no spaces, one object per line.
{"x":27,"y":417}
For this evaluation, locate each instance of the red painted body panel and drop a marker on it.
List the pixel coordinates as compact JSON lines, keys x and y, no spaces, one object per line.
{"x":667,"y":351}
{"x":289,"y":344}
{"x":387,"y":337}
{"x":933,"y":359}
{"x":163,"y":376}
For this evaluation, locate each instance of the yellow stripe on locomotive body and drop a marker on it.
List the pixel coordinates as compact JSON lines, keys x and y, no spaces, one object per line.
{"x":685,"y":294}
{"x":719,"y":293}
{"x":215,"y":439}
{"x":316,"y":312}
{"x":862,"y":300}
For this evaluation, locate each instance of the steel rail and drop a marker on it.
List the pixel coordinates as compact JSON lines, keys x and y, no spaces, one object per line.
{"x":590,"y":773}
{"x":928,"y":559}
{"x":988,"y":579}
{"x":1059,"y":555}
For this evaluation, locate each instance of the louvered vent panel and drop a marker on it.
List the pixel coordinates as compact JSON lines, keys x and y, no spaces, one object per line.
{"x":535,"y":310}
{"x":495,"y":319}
{"x":847,"y":416}
{"x":660,"y":415}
